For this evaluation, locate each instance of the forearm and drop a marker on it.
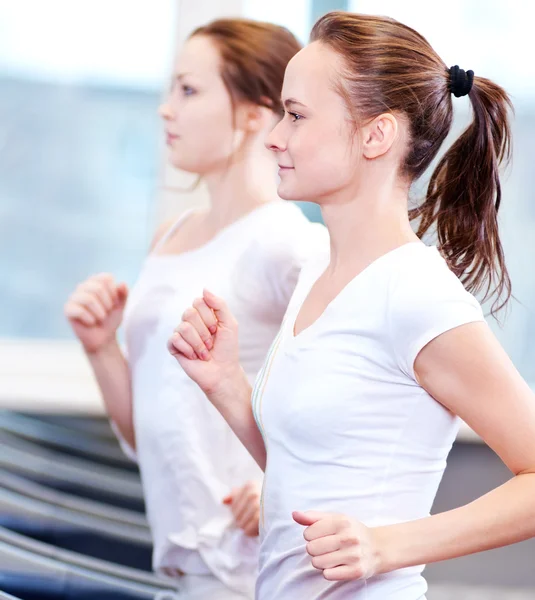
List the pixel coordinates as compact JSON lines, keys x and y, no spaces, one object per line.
{"x":502,"y":517}
{"x":113,"y":377}
{"x":233,"y":400}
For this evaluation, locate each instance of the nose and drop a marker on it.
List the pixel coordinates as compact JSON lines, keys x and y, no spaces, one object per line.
{"x":275,"y":141}
{"x":165,"y":111}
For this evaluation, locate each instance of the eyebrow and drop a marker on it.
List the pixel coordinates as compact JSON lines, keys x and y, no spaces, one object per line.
{"x":290,"y":102}
{"x":180,"y":76}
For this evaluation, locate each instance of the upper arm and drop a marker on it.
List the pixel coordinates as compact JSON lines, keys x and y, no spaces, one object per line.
{"x":467,"y":371}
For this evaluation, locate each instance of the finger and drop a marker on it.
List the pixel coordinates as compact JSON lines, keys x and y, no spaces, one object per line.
{"x":323,"y":528}
{"x":206,"y":313}
{"x":177,"y":345}
{"x":252,"y":527}
{"x":101,"y":291}
{"x":331,"y":560}
{"x":122,"y":292}
{"x":324,"y":545}
{"x":117,"y":292}
{"x":75,"y":312}
{"x":307,"y":518}
{"x":247,"y":495}
{"x":240,"y":502}
{"x":90,"y":302}
{"x":220,"y":308}
{"x":249,"y":515}
{"x":227,"y":500}
{"x":105,"y":278}
{"x":192,"y":337}
{"x":343,"y":573}
{"x":192,"y":316}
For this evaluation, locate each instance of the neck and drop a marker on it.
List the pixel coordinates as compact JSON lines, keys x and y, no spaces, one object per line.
{"x":368,"y":223}
{"x":248,"y":182}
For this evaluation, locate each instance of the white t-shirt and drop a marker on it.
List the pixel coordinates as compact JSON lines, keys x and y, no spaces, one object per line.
{"x":188,"y":456}
{"x":347,"y":428}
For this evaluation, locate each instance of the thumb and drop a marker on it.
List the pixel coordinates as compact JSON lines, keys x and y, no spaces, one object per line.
{"x":219,"y":306}
{"x":307,"y":518}
{"x":122,"y":292}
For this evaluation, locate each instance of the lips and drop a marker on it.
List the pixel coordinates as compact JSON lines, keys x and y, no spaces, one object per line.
{"x":284,"y":167}
{"x":171,"y":136}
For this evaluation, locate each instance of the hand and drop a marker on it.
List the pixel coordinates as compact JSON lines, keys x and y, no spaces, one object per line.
{"x":206,"y":343}
{"x":341,"y":547}
{"x":95,"y":310}
{"x":244,"y":503}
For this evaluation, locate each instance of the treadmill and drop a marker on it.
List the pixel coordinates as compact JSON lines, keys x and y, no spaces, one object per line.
{"x":72,"y":475}
{"x":66,"y":440}
{"x":32,"y":570}
{"x":106,"y":512}
{"x":90,"y":535}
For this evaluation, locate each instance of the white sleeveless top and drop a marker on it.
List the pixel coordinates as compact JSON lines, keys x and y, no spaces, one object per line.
{"x":347,"y":428}
{"x":189,"y":458}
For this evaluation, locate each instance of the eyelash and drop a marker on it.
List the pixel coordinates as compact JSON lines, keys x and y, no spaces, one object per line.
{"x":295,"y":116}
{"x":186,"y":88}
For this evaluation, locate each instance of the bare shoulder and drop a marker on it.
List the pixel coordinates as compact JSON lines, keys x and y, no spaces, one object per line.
{"x":188,"y":225}
{"x":161,"y":230}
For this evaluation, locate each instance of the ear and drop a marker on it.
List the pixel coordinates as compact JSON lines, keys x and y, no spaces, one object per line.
{"x":253,"y":118}
{"x":379,"y":135}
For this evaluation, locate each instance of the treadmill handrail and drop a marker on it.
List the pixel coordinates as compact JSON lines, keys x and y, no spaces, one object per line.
{"x":60,"y":437}
{"x":75,"y":560}
{"x":39,"y":461}
{"x":34,"y":490}
{"x":64,"y":516}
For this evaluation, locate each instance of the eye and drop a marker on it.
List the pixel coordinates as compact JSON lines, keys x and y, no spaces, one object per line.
{"x":188,"y":90}
{"x":295,"y":116}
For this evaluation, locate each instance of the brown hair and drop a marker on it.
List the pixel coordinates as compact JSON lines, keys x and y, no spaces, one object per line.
{"x":389,"y":67}
{"x":254,"y":56}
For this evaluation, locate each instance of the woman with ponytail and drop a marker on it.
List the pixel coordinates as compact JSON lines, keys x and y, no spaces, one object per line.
{"x":383,"y":347}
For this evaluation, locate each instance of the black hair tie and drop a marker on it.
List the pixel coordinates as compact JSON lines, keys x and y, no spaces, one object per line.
{"x":460,"y":81}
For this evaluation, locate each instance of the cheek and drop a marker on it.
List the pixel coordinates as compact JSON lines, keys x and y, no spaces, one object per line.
{"x":206,"y":135}
{"x":322,"y":160}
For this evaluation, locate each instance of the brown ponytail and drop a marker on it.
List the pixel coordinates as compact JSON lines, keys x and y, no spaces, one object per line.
{"x":464,"y":196}
{"x":391,"y":67}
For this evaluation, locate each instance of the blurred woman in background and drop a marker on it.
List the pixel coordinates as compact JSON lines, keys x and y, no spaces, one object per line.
{"x":201,"y":486}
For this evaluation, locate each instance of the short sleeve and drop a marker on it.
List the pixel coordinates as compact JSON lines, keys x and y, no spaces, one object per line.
{"x":285,"y":261}
{"x":425,"y":303}
{"x":268,"y":272}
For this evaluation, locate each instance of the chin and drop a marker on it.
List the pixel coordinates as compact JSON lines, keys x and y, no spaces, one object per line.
{"x":184,"y":165}
{"x":287,"y":193}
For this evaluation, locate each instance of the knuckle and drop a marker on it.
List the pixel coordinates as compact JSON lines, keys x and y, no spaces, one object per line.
{"x":185,"y":327}
{"x":357,"y":572}
{"x":188,"y":314}
{"x":198,"y":303}
{"x":349,"y":538}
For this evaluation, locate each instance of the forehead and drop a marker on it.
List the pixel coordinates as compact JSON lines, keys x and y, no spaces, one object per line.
{"x":311,"y":75}
{"x":199,"y":56}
